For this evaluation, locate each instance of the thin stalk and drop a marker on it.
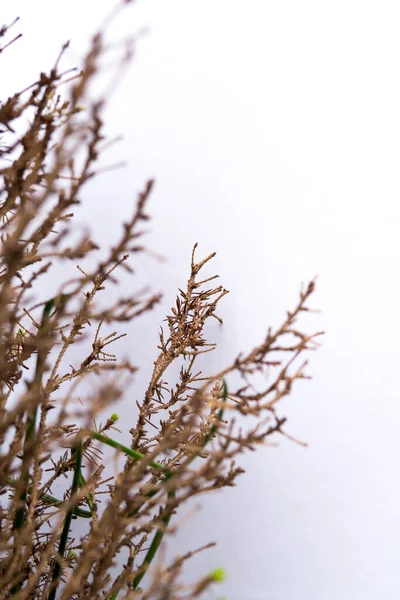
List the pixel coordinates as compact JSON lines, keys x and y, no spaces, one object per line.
{"x":67,"y":524}
{"x":52,"y":500}
{"x":77,"y":512}
{"x":171,"y":494}
{"x":100,"y":437}
{"x":155,"y":544}
{"x":30,"y":434}
{"x":157,"y":539}
{"x":31,"y":424}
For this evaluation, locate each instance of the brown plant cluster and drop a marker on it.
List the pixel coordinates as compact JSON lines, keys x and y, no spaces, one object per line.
{"x":184,"y":437}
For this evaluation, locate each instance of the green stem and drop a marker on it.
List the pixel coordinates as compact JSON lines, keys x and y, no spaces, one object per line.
{"x":67,"y":524}
{"x":82,"y":483}
{"x":132,"y":453}
{"x":31,"y":424}
{"x":77,"y":512}
{"x":165,"y":520}
{"x":158,"y":536}
{"x":155,"y":544}
{"x":52,"y":500}
{"x":30,"y":434}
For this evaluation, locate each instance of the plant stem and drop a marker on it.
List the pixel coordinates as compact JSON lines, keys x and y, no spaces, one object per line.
{"x":155,"y":544}
{"x":31,"y":423}
{"x":157,"y":539}
{"x":132,"y":453}
{"x":52,"y":500}
{"x":67,"y":524}
{"x":30,"y":433}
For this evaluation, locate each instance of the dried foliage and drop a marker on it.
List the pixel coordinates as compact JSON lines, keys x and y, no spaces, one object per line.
{"x":49,"y":149}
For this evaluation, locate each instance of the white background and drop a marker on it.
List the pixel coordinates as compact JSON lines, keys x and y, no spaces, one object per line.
{"x":273,"y":131}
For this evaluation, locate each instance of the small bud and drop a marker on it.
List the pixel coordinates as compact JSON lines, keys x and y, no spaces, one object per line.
{"x":218,"y":575}
{"x":114,"y":417}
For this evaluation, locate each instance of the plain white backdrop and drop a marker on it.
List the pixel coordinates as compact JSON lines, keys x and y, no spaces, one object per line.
{"x":273,"y":131}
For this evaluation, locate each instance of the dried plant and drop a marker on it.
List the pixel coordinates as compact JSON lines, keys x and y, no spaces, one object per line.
{"x":184,"y":438}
